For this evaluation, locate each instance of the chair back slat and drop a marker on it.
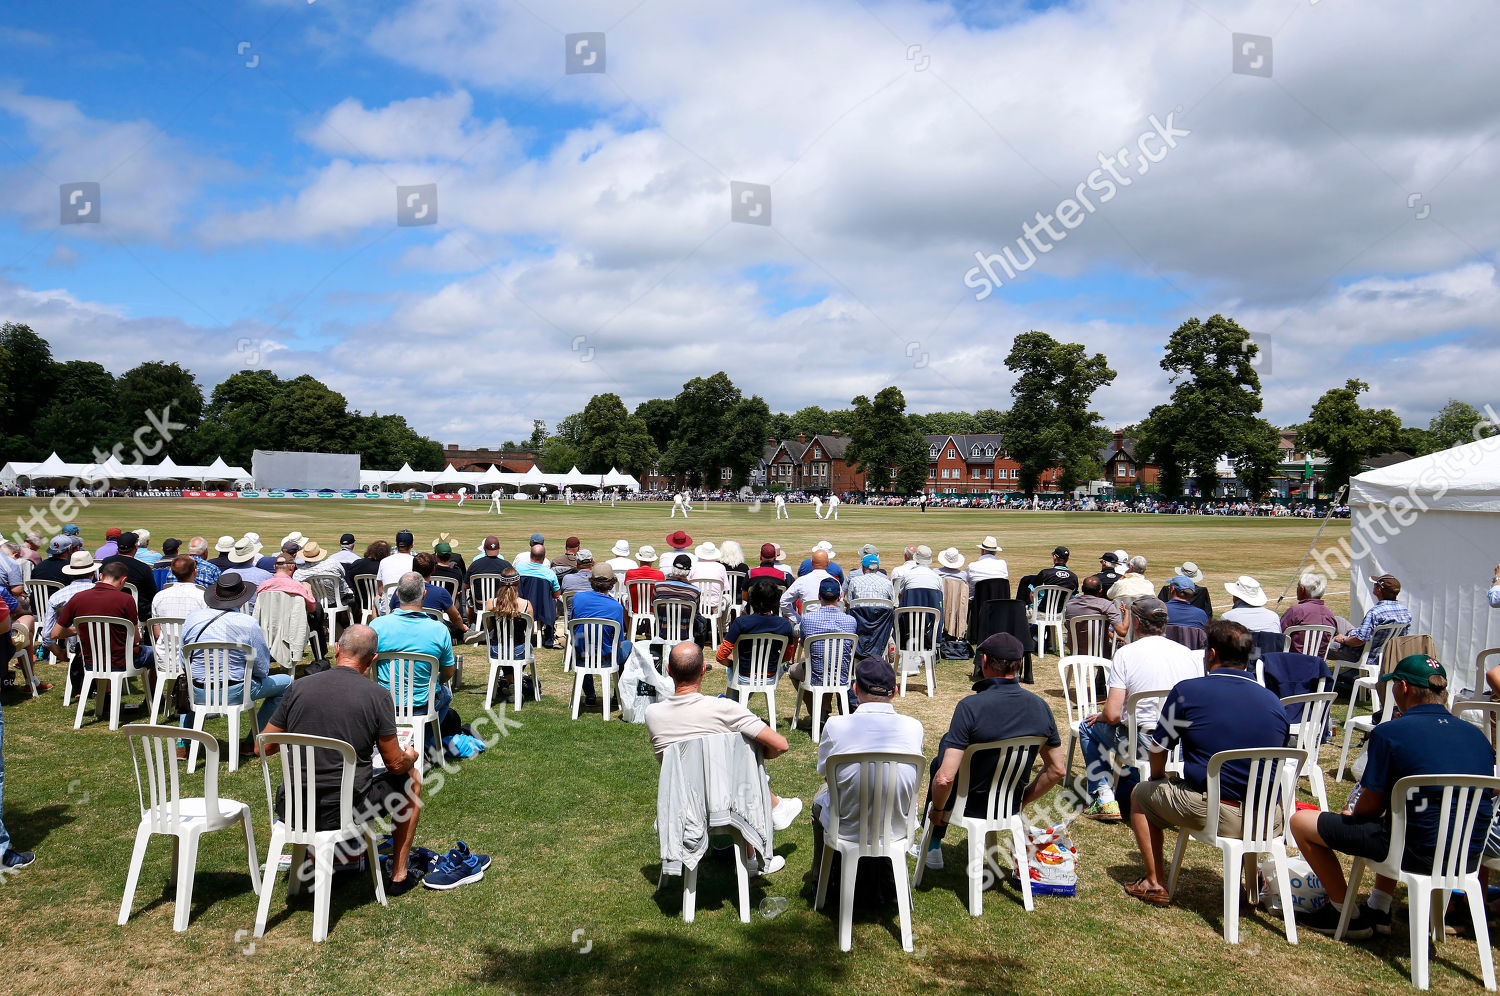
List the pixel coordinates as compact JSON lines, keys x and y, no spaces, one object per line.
{"x":213,"y":655}
{"x":401,"y":681}
{"x":589,"y":632}
{"x":1076,"y":673}
{"x":1269,"y":791}
{"x":1012,"y":770}
{"x":831,"y":647}
{"x":1307,"y":732}
{"x":1088,"y":635}
{"x":710,"y":595}
{"x":158,"y":772}
{"x":642,"y":592}
{"x":675,"y":617}
{"x":447,"y":581}
{"x":917,"y":628}
{"x":1315,"y":639}
{"x":168,"y":646}
{"x":1050,"y":599}
{"x":765,"y":652}
{"x":482,"y":588}
{"x":368,"y":589}
{"x":40,"y":592}
{"x":1130,"y":759}
{"x":509,"y":633}
{"x":1459,"y":799}
{"x":299,"y":782}
{"x":96,"y":648}
{"x":883,"y":820}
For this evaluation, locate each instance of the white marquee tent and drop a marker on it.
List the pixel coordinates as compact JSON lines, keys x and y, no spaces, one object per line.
{"x":493,"y":479}
{"x":1434,"y":523}
{"x":54,"y":471}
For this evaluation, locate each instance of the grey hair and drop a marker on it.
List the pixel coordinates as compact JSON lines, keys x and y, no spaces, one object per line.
{"x":34,"y":537}
{"x":10,"y":547}
{"x":1313,"y":584}
{"x":411,"y":588}
{"x":1138,"y":564}
{"x":197,"y":546}
{"x":358,"y":641}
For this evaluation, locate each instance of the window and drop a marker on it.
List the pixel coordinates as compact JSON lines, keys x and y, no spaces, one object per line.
{"x":725,"y":474}
{"x":931,"y":473}
{"x":976,"y":473}
{"x":932,"y":451}
{"x":989,"y":451}
{"x":976,"y":450}
{"x":820,"y":470}
{"x":952,"y":453}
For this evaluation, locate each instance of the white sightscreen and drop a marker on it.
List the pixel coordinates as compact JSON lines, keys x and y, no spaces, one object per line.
{"x":286,"y":470}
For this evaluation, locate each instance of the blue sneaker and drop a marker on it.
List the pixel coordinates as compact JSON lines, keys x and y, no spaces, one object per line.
{"x":459,"y":866}
{"x":20,"y":859}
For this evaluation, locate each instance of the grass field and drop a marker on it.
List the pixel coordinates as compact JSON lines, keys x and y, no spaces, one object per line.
{"x":566,"y":809}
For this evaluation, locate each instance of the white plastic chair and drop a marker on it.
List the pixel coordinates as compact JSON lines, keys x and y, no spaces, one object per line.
{"x":94,"y":641}
{"x":1489,"y":720}
{"x":1427,"y":894}
{"x":640,"y":593}
{"x":1366,"y":723}
{"x":832,"y":647}
{"x":283,"y":618}
{"x":1307,"y":736}
{"x":401,"y":682}
{"x":299,"y":825}
{"x":1047,"y":606}
{"x":368,"y":589}
{"x":330,"y":595}
{"x":502,"y":640}
{"x":590,"y":632}
{"x":1088,"y":634}
{"x":217,"y":697}
{"x":446,"y":581}
{"x":183,"y":819}
{"x":916,"y":641}
{"x":884,"y":831}
{"x":40,"y":592}
{"x":735,"y":606}
{"x":1370,"y":668}
{"x":1002,"y":815}
{"x":765,"y":651}
{"x":482,"y":589}
{"x":167,"y":656}
{"x":711,"y":605}
{"x":562,"y":626}
{"x":1268,"y":801}
{"x":1316,"y":640}
{"x":1076,"y":673}
{"x":1130,"y":759}
{"x":674,"y":620}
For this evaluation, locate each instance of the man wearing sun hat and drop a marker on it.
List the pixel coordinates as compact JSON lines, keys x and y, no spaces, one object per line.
{"x":222,"y":548}
{"x":988,"y":566}
{"x":645,"y":570}
{"x":1423,"y":739}
{"x":679,"y":543}
{"x":833,"y":568}
{"x":1200,"y":596}
{"x":951,"y":565}
{"x":620,"y":560}
{"x":1249,"y":608}
{"x":919,"y":576}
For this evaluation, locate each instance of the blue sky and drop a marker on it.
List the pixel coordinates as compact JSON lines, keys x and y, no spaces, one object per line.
{"x":249,"y":153}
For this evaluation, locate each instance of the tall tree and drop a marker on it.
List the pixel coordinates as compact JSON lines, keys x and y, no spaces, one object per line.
{"x":155,"y":385}
{"x":613,"y":438}
{"x":308,"y":415}
{"x":1259,"y":458}
{"x":27,"y":371}
{"x":660,"y":418}
{"x":882,"y":438}
{"x":1217,"y":397}
{"x":1347,"y":434}
{"x":911,"y":461}
{"x":385,"y":442}
{"x":235,"y":422}
{"x":1454,"y":425}
{"x":1050,"y":420}
{"x":1156,"y":442}
{"x":1416,"y":441}
{"x":538,"y":433}
{"x":948,"y":423}
{"x":989,"y":420}
{"x":82,"y":416}
{"x":716,"y":427}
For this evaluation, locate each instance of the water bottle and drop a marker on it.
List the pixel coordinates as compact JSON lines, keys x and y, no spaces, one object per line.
{"x":772,"y":907}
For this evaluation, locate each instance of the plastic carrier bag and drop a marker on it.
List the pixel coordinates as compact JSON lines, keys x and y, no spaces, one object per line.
{"x":641,"y":685}
{"x":1308,"y":894}
{"x":1054,"y":860}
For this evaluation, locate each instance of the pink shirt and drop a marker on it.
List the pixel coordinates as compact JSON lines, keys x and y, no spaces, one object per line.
{"x":280,"y":582}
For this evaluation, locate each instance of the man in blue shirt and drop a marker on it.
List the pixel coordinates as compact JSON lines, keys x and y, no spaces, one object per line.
{"x":1223,"y":710}
{"x":1385,"y":611}
{"x":598,"y":603}
{"x":410,"y":630}
{"x":1180,"y":609}
{"x":1425,"y":739}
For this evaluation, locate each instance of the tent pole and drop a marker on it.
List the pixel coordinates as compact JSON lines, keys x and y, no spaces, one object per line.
{"x":1298,"y":572}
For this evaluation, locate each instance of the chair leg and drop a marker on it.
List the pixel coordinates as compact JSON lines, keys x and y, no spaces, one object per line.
{"x":1315,"y":781}
{"x":1419,"y":912}
{"x":825,"y":865}
{"x":771,"y":707}
{"x":116,"y":697}
{"x":234,"y":739}
{"x":1023,"y":859}
{"x":1284,"y":887}
{"x":187,"y":863}
{"x":1348,"y":735}
{"x":372,"y":850}
{"x":926,"y":840}
{"x":296,"y":881}
{"x":268,"y":880}
{"x":742,"y":879}
{"x":515,"y":686}
{"x":1356,"y":872}
{"x":489,"y":688}
{"x":903,"y":898}
{"x":975,"y":870}
{"x":157,"y":695}
{"x":1182,"y":839}
{"x":250,"y":850}
{"x":1482,"y":936}
{"x":322,"y":890}
{"x":689,"y":894}
{"x":137,"y":858}
{"x":929,"y":663}
{"x":605,"y":679}
{"x":577,"y":691}
{"x":817,"y":714}
{"x":847,"y":875}
{"x":1232,"y":873}
{"x":83,"y":699}
{"x":192,"y":766}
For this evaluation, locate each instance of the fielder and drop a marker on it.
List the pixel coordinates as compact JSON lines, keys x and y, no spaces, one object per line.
{"x":833,"y":507}
{"x":817,"y":506}
{"x":495,"y":502}
{"x":679,"y":504}
{"x":781,"y":512}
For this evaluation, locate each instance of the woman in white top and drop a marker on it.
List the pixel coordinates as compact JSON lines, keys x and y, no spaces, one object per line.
{"x":710,"y":567}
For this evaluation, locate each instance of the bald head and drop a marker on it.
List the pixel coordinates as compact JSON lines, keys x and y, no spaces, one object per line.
{"x":356,"y":647}
{"x":820,"y":560}
{"x":685,"y":665}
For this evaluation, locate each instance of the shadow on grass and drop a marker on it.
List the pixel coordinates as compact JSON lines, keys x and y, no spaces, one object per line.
{"x":351,"y":890}
{"x":208,"y":889}
{"x":29,"y":830}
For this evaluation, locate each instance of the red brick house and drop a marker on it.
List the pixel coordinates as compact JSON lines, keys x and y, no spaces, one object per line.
{"x":1122,"y":469}
{"x":510,"y":461}
{"x":818,"y":465}
{"x":976,"y":463}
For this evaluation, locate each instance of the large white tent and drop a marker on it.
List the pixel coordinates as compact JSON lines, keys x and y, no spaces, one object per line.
{"x":1434,"y":523}
{"x":92,"y":475}
{"x":492,"y":479}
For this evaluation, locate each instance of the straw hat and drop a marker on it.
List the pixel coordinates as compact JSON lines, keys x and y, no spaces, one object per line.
{"x":990,"y":545}
{"x":1247,"y":590}
{"x":312,"y":553}
{"x":951,"y":559}
{"x":444,"y":538}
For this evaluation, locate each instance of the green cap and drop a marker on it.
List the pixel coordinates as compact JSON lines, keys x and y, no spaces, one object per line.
{"x":1417,"y":669}
{"x":442,"y":549}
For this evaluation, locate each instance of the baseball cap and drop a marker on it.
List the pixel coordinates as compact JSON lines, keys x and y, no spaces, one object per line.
{"x":346,"y":540}
{"x":571,"y":543}
{"x":58,"y":545}
{"x":829,"y":588}
{"x":113,"y":532}
{"x":492,"y":542}
{"x":537,"y":538}
{"x":768,"y":551}
{"x":1109,"y":557}
{"x":1002,"y":647}
{"x":170,"y":546}
{"x":128,"y":539}
{"x":70,"y":529}
{"x":586,"y":556}
{"x":1417,"y":669}
{"x":404,"y":536}
{"x":1061,"y":551}
{"x":1150,"y":609}
{"x":1389,"y":582}
{"x":442,"y":549}
{"x":682,"y":562}
{"x":602,"y":571}
{"x":869,"y":561}
{"x":875,"y":676}
{"x":1183,"y":583}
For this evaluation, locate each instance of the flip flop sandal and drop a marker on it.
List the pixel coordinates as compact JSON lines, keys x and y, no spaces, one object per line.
{"x":1156,"y":897}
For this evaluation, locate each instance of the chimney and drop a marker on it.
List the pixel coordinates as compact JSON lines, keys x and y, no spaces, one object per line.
{"x":802,"y":437}
{"x":1119,"y":439}
{"x":835,"y":434}
{"x":774,"y":441}
{"x":453,"y":446}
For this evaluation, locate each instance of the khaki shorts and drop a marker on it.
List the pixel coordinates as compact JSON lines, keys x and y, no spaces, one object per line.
{"x":1169,"y":804}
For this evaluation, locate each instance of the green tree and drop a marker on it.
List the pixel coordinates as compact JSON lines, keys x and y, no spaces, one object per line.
{"x":82,"y":416}
{"x":1454,"y":425}
{"x":749,"y":428}
{"x":613,"y":438}
{"x":1050,"y":420}
{"x":911,"y":461}
{"x":235,"y":423}
{"x":989,"y":420}
{"x":538,"y":433}
{"x":27,"y":373}
{"x":1260,"y":457}
{"x":155,"y":385}
{"x":1347,"y":434}
{"x":716,"y":427}
{"x":1416,"y":441}
{"x":1155,"y":442}
{"x":307,"y":415}
{"x":558,"y":455}
{"x":660,"y":418}
{"x":385,"y":442}
{"x":1217,"y":397}
{"x":948,"y":423}
{"x":882,"y":438}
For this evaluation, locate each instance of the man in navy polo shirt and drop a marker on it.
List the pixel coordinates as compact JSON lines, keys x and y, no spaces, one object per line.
{"x":1180,"y":609}
{"x":1224,"y":710}
{"x":999,"y":709}
{"x":1425,"y":739}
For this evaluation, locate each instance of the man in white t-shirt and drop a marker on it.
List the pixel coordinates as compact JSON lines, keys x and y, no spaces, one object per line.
{"x":918,"y":575}
{"x":1151,"y":662}
{"x":689,"y":714}
{"x":183,"y":597}
{"x":988,"y":566}
{"x":396,"y":564}
{"x":679,"y":504}
{"x":833,"y":507}
{"x":817,"y":504}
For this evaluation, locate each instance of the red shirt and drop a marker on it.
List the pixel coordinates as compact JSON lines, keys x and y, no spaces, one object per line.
{"x":643,"y":574}
{"x":101,"y":600}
